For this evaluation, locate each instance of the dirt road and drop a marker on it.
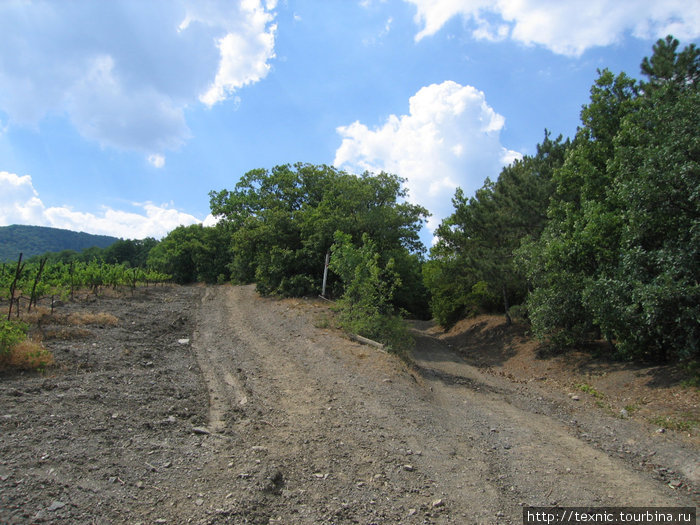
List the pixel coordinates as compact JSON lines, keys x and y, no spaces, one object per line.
{"x":263,"y":417}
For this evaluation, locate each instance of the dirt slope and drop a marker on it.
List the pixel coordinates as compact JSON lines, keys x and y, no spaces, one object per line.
{"x":261,"y":417}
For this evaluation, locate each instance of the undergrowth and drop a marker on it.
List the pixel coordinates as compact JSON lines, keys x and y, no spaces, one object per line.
{"x":18,"y":352}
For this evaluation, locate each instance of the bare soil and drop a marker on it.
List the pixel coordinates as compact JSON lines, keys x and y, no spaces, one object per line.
{"x":212,"y":405}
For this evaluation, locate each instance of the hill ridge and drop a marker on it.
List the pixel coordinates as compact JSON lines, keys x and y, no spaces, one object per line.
{"x":37,"y":240}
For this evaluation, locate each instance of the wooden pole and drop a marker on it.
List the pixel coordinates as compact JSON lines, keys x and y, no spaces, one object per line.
{"x":325,"y":274}
{"x":13,"y":286}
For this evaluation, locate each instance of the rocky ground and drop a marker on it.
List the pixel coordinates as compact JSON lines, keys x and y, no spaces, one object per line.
{"x":212,"y":405}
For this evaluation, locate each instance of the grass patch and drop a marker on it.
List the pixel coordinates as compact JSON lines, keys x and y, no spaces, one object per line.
{"x":27,"y":355}
{"x":588,"y":389}
{"x":67,"y":333}
{"x":671,"y":423}
{"x":324,"y":321}
{"x":88,"y":318}
{"x":20,"y":353}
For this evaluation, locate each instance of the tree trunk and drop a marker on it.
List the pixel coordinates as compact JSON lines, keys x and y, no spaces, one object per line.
{"x":509,"y":321}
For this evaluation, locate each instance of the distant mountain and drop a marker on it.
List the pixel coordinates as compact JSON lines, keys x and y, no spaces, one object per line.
{"x":37,"y":240}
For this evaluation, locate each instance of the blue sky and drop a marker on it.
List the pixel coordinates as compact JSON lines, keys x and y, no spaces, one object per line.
{"x":119,"y":117}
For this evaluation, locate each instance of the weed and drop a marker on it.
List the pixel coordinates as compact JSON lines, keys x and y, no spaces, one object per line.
{"x":670,"y":423}
{"x":588,"y":389}
{"x":30,"y":355}
{"x":87,"y":318}
{"x":632,"y":408}
{"x":323,"y":321}
{"x":11,"y":333}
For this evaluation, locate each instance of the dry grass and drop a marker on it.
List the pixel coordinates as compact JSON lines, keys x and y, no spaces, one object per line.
{"x":27,"y":355}
{"x":88,"y":318}
{"x":66,"y":333}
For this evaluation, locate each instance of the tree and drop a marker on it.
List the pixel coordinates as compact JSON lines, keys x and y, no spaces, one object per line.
{"x":283,"y":221}
{"x":582,"y":232}
{"x":619,"y":256}
{"x":649,"y":301}
{"x":193,"y":253}
{"x":473,"y":262}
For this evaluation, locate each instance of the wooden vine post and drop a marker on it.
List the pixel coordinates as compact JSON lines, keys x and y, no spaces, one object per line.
{"x":32,"y":297}
{"x":13,"y":286}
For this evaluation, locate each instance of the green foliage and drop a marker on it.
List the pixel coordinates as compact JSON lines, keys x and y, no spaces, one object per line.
{"x":473,"y":264}
{"x":193,"y":254}
{"x":620,"y":255}
{"x":283,"y":221}
{"x":366,"y":305}
{"x":62,"y":279}
{"x":11,"y":333}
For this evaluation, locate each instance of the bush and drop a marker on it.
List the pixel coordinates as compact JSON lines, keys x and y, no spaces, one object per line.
{"x":365,"y":308}
{"x":11,"y":334}
{"x":16,"y":351}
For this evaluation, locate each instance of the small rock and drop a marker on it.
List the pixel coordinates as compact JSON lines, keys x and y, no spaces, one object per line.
{"x":183,"y":341}
{"x":500,"y":514}
{"x":575,"y":398}
{"x":199,"y":502}
{"x":55,"y":506}
{"x":139,"y":484}
{"x":408,"y":468}
{"x":412,"y":512}
{"x":201,"y":430}
{"x":438,"y":503}
{"x":660,"y":430}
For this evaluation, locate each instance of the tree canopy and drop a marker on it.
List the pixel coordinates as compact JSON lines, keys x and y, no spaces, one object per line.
{"x":284,"y":221}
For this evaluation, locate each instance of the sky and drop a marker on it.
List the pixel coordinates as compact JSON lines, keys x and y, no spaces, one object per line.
{"x":119,"y":117}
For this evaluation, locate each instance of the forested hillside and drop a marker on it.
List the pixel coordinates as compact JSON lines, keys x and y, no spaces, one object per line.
{"x":36,"y":240}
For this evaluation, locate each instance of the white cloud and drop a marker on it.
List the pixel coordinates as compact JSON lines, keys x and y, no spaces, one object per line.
{"x":244,"y":54}
{"x":157,"y":161}
{"x":450,"y":138}
{"x":565,"y":27}
{"x":20,"y":204}
{"x":124,"y":72}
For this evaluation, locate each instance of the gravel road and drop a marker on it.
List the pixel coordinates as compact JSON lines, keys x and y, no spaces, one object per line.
{"x":212,"y":405}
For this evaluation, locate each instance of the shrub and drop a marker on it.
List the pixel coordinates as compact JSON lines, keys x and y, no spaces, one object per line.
{"x":16,"y":351}
{"x":365,"y":308}
{"x":11,"y":333}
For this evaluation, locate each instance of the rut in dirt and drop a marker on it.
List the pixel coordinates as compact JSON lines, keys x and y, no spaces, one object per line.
{"x":344,"y":426}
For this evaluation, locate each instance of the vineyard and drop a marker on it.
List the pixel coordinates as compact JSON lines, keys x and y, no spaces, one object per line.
{"x":24,"y":284}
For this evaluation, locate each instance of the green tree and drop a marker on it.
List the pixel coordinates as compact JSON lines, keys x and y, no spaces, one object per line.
{"x":366,"y":305}
{"x":193,"y":253}
{"x":648,"y":302}
{"x":619,"y":256}
{"x":472,"y":265}
{"x":582,"y":232}
{"x":283,"y":221}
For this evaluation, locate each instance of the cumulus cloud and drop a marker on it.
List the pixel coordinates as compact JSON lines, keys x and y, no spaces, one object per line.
{"x":567,"y":28}
{"x":20,"y":204}
{"x":125,"y":72}
{"x":449,"y":138}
